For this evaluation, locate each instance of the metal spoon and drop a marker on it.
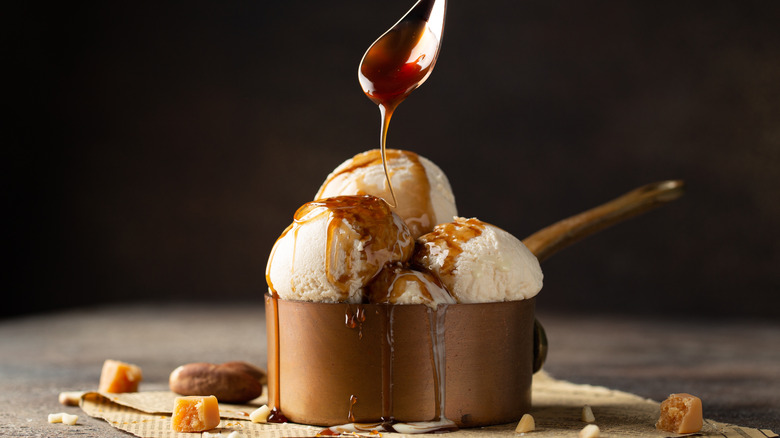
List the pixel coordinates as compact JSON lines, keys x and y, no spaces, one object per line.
{"x":399,"y":62}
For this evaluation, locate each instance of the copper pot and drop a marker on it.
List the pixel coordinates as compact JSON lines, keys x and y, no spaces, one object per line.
{"x":361,"y":363}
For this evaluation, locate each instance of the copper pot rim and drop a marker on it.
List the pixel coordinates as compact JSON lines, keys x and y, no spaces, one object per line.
{"x":461,"y":305}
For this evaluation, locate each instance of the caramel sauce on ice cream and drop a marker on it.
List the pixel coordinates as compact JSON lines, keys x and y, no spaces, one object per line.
{"x":447,"y":239}
{"x":362,"y":233}
{"x":334,"y":247}
{"x":479,"y":262}
{"x":423,"y":194}
{"x":397,"y":284}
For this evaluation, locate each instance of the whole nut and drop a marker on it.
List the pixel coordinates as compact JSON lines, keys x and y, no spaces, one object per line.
{"x":231,"y":382}
{"x":241,"y":366}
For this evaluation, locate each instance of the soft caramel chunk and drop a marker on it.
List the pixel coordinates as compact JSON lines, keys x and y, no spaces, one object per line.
{"x":681,"y":413}
{"x":119,"y":377}
{"x":195,"y":414}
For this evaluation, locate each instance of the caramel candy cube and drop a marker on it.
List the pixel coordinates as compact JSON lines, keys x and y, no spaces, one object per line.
{"x":119,"y":377}
{"x":681,"y":413}
{"x":195,"y":413}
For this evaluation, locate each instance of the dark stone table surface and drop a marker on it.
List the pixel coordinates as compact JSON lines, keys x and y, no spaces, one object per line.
{"x":733,"y":365}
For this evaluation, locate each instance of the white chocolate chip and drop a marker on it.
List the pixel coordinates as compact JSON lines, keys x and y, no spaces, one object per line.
{"x":526,"y":424}
{"x":590,"y":431}
{"x":587,"y":414}
{"x":260,"y":415}
{"x":56,"y":418}
{"x":234,"y":434}
{"x":69,"y":419}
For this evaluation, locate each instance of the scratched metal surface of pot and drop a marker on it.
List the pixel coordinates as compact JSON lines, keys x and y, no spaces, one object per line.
{"x":333,"y":362}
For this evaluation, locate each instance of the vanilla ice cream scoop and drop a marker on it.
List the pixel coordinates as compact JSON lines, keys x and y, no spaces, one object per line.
{"x":335,"y":247}
{"x":478,"y":262}
{"x":397,"y":284}
{"x":422,"y":191}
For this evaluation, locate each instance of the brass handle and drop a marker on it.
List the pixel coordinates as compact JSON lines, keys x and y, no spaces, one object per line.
{"x":549,"y":240}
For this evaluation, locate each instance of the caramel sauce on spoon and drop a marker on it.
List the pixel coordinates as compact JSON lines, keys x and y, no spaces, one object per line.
{"x":400,"y":61}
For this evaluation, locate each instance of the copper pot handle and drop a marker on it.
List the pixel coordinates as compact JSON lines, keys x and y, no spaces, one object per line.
{"x":551,"y":239}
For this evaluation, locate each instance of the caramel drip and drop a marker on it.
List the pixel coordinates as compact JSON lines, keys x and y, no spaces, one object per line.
{"x":365,"y":159}
{"x":355,"y":319}
{"x":274,"y":389}
{"x":352,"y":401}
{"x":414,"y":202}
{"x":403,"y":280}
{"x":385,"y":114}
{"x":366,"y":219}
{"x":369,"y":221}
{"x":438,"y":374}
{"x":436,"y":319}
{"x":395,"y":279}
{"x":397,"y":63}
{"x":387,"y":366}
{"x":418,"y":209}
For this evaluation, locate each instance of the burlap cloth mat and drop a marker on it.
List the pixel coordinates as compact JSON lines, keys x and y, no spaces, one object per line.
{"x":557,"y":408}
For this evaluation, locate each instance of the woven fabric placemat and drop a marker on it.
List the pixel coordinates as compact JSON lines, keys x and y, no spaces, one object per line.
{"x":557,"y":408}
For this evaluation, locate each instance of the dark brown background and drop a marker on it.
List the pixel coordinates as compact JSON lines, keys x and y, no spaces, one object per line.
{"x":156,"y":151}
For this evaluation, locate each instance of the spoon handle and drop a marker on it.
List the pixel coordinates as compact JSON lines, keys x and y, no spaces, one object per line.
{"x":549,"y":240}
